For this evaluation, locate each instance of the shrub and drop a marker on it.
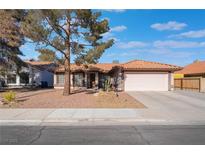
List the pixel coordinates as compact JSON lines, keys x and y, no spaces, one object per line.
{"x":9,"y":97}
{"x":107,"y":85}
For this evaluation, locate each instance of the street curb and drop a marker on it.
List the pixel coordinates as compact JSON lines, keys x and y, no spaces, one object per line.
{"x":99,"y":121}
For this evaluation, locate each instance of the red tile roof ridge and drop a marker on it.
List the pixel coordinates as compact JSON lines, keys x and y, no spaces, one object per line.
{"x":151,"y":62}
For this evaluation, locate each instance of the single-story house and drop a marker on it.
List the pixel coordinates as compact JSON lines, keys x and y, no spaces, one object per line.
{"x":36,"y":73}
{"x":194,"y":73}
{"x":136,"y":75}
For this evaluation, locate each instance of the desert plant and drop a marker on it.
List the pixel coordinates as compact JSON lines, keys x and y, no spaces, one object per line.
{"x":107,"y":85}
{"x":9,"y":97}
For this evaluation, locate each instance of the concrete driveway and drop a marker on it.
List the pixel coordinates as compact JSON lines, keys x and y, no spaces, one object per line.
{"x":172,"y":106}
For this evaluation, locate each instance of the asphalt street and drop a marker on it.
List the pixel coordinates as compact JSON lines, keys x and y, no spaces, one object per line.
{"x":105,"y":135}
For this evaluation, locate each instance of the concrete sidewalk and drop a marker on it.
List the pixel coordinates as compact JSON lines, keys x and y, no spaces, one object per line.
{"x":88,"y":117}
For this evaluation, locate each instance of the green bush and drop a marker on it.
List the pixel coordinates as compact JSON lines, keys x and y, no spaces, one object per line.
{"x":9,"y":97}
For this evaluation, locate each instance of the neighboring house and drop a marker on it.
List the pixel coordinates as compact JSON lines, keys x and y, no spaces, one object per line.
{"x":137,"y":75}
{"x":193,"y":76}
{"x":36,"y":73}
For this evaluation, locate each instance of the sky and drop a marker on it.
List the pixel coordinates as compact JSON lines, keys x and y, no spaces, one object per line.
{"x":167,"y":36}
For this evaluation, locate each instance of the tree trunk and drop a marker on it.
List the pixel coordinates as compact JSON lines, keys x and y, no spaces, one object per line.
{"x":67,"y":85}
{"x":66,"y":90}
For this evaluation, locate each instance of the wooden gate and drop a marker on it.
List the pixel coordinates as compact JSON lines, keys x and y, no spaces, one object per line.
{"x":187,"y":84}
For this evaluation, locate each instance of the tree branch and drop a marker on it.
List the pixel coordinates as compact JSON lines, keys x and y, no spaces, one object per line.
{"x":61,"y":27}
{"x":49,"y":43}
{"x":52,"y":25}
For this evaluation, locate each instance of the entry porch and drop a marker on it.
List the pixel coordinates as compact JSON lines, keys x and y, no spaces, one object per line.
{"x":84,"y":80}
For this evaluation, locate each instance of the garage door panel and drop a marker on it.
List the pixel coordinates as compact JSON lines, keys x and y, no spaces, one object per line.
{"x":146,"y":82}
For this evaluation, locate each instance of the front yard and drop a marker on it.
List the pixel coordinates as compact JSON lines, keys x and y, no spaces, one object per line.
{"x":55,"y":99}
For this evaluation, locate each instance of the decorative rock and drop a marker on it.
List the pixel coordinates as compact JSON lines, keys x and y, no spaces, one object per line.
{"x":96,"y":94}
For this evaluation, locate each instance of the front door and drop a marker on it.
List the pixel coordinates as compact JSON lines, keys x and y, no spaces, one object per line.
{"x":91,"y":80}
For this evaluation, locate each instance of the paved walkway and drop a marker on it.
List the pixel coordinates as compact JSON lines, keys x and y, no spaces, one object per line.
{"x":162,"y":108}
{"x":69,"y":116}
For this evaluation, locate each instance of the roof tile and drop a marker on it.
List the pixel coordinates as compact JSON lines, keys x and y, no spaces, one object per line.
{"x":194,"y":68}
{"x":147,"y":65}
{"x":37,"y":63}
{"x":132,"y":65}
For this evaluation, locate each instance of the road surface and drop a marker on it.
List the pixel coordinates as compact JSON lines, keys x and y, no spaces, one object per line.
{"x":106,"y":135}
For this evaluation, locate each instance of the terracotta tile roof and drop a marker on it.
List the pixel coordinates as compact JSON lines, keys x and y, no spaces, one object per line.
{"x":103,"y":67}
{"x":42,"y":65}
{"x":106,"y":67}
{"x":147,"y":65}
{"x":74,"y":67}
{"x":132,"y":65}
{"x":38,"y":63}
{"x":194,"y":68}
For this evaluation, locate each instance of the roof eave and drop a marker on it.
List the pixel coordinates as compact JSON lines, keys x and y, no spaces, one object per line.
{"x":200,"y":73}
{"x":152,"y":69}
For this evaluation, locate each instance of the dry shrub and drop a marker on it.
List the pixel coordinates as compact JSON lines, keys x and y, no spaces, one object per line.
{"x":9,"y":97}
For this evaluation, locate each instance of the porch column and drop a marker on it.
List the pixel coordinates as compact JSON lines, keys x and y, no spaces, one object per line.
{"x":86,"y":79}
{"x":6,"y":80}
{"x":17,"y":80}
{"x":54,"y":79}
{"x":96,"y":78}
{"x":71,"y":78}
{"x":31,"y":75}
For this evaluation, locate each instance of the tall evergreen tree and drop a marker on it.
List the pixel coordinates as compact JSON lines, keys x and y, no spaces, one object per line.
{"x":11,"y":38}
{"x":69,"y":31}
{"x":47,"y":55}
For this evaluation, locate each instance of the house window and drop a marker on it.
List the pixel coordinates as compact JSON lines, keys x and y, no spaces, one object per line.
{"x":24,"y":78}
{"x":11,"y":79}
{"x":60,"y":78}
{"x":78,"y":79}
{"x":102,"y":79}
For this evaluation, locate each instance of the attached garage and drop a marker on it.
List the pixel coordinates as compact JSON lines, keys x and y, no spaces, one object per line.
{"x":146,"y":82}
{"x":142,"y":75}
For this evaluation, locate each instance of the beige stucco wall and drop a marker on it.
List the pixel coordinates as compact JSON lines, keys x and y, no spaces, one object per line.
{"x":170,"y":81}
{"x":202,"y":84}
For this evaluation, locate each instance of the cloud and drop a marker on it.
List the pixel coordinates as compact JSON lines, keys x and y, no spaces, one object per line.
{"x":131,"y":44}
{"x":105,"y":18}
{"x":190,"y":34}
{"x":171,"y":25}
{"x":111,"y":35}
{"x":118,"y":28}
{"x":157,"y":53}
{"x":108,"y":34}
{"x":122,"y":54}
{"x":178,"y":44}
{"x":170,"y":53}
{"x":115,"y":10}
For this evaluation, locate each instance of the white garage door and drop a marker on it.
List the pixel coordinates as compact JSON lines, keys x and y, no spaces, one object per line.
{"x":146,"y":82}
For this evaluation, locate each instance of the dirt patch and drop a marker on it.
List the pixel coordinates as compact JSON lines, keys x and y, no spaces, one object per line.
{"x":55,"y":99}
{"x":123,"y":100}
